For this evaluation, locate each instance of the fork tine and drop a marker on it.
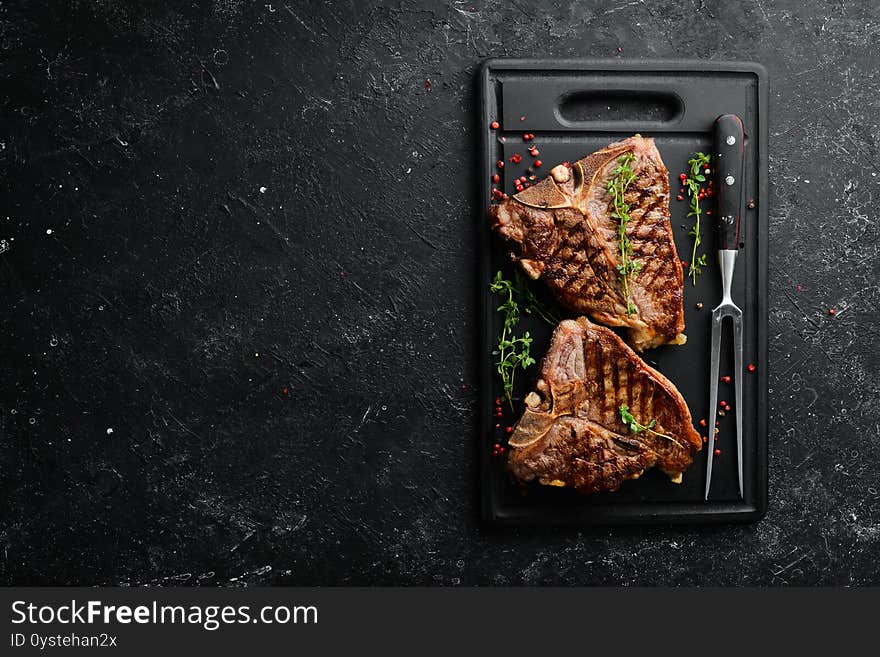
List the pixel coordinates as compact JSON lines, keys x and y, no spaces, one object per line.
{"x":715,"y":354}
{"x":738,"y":369}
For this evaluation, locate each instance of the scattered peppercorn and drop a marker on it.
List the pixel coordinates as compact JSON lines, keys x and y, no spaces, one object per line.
{"x":516,"y":158}
{"x":717,"y":452}
{"x":725,"y":378}
{"x":509,"y":429}
{"x":751,"y":204}
{"x":496,"y":178}
{"x":703,"y":422}
{"x":751,"y":367}
{"x":494,"y":125}
{"x":679,"y":198}
{"x":500,"y":164}
{"x":699,"y":305}
{"x":682,"y":177}
{"x":538,"y":163}
{"x":832,"y":312}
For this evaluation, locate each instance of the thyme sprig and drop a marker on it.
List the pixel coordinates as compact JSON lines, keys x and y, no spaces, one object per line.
{"x":694,"y":183}
{"x":635,"y":426}
{"x":513,"y":352}
{"x":623,"y":176}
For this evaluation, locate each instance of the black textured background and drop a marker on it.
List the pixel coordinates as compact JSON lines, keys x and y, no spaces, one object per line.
{"x":248,"y":198}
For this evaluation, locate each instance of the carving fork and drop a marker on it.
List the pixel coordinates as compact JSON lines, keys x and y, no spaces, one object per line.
{"x":727,"y":167}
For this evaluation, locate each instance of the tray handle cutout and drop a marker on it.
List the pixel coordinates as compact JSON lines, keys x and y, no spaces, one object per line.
{"x":588,"y":107}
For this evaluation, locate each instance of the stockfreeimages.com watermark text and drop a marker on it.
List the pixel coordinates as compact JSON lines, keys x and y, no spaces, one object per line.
{"x":209,"y":617}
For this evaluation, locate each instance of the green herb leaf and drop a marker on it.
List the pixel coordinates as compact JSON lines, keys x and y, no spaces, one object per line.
{"x":634,"y":426}
{"x":627,"y":418}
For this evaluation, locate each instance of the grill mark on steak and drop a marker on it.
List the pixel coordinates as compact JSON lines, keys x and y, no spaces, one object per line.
{"x":570,"y":435}
{"x":622,"y":385}
{"x":643,"y":405}
{"x":596,"y":362}
{"x":608,"y":370}
{"x":592,"y":285}
{"x":578,"y":277}
{"x":561,"y":231}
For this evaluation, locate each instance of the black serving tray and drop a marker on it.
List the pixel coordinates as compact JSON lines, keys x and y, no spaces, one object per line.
{"x":574,"y":108}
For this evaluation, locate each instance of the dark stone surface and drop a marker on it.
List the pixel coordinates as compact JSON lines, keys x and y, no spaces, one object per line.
{"x":175,"y":299}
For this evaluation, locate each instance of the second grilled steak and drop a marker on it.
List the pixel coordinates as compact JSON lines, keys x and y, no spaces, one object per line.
{"x":572,"y":434}
{"x":563,"y":232}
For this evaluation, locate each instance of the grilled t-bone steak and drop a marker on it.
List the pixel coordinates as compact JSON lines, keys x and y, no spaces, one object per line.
{"x":563,"y":231}
{"x":572,"y":434}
